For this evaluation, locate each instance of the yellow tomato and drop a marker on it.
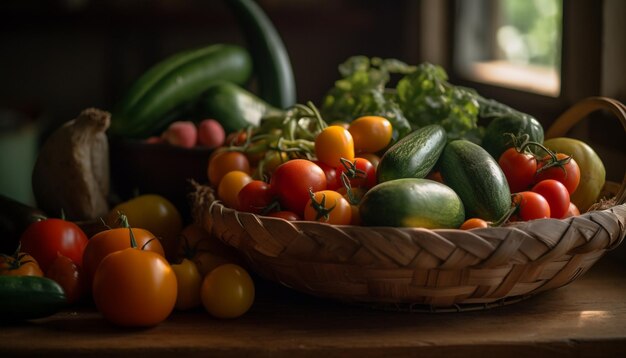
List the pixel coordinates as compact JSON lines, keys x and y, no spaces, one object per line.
{"x":189,"y":283}
{"x":227,"y":291}
{"x":230,"y":186}
{"x":370,"y":133}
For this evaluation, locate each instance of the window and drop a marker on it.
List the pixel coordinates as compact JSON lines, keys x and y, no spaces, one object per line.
{"x":510,"y":43}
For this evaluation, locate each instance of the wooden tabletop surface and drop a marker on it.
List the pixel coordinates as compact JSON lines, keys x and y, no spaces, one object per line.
{"x":585,"y":318}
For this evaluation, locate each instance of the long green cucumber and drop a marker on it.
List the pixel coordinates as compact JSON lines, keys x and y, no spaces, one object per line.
{"x":476,"y":177}
{"x":271,"y":61}
{"x":29,"y":297}
{"x":413,"y":156}
{"x":180,"y":81}
{"x":412,"y":202}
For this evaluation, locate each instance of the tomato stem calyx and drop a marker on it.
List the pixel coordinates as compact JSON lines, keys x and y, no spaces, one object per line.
{"x":320,"y":207}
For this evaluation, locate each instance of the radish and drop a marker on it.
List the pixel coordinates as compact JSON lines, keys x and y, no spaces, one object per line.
{"x":211,"y":133}
{"x":181,"y":133}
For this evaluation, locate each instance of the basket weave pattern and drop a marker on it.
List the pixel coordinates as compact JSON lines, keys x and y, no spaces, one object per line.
{"x":436,"y":268}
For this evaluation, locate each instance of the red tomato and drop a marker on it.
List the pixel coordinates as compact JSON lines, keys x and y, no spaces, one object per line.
{"x":69,"y":276}
{"x":556,"y":194}
{"x":46,"y":239}
{"x":360,"y":172}
{"x":370,"y":133}
{"x":283,"y":214}
{"x":328,"y":206}
{"x":474,"y":223}
{"x":255,"y":197}
{"x":332,"y":144}
{"x":292,"y":180}
{"x":567,"y":173}
{"x":332,"y":178}
{"x":531,"y":206}
{"x":519,"y":169}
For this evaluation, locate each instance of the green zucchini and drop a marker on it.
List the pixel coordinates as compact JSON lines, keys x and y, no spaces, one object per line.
{"x":271,"y":61}
{"x":233,"y":106}
{"x":495,"y":139}
{"x":412,"y":202}
{"x":477,"y":178}
{"x":413,"y":156}
{"x":29,"y":297}
{"x":175,"y":82}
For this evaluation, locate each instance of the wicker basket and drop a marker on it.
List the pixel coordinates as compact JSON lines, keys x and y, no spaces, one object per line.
{"x":417,"y":269}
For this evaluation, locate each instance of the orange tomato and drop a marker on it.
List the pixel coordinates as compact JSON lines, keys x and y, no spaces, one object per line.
{"x":20,"y":264}
{"x":474,"y":223}
{"x":332,"y":144}
{"x":135,"y":287}
{"x":328,"y":206}
{"x":109,"y":241}
{"x":370,"y":133}
{"x":224,"y":162}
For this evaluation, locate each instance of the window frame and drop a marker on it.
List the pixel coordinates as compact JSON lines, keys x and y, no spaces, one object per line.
{"x":581,"y":59}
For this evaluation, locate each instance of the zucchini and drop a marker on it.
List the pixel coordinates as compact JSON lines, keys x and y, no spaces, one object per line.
{"x":477,"y":178}
{"x":413,"y":156}
{"x":271,"y":61}
{"x":412,"y":202}
{"x":29,"y":297}
{"x":177,"y":81}
{"x":233,"y":106}
{"x":495,"y":141}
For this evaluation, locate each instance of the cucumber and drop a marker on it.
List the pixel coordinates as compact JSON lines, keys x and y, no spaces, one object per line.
{"x":477,"y":178}
{"x":412,"y":202}
{"x":29,"y":297}
{"x":495,"y":141}
{"x":273,"y":69}
{"x":413,"y":156}
{"x":175,"y":82}
{"x":233,"y":106}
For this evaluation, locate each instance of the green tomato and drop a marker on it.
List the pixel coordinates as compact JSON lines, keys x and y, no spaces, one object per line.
{"x":592,"y":171}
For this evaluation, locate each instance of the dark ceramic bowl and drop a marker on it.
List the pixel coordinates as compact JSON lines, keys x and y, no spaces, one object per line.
{"x":138,"y":167}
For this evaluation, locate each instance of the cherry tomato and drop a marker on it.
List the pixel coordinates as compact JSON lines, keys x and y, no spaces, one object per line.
{"x":153,"y":213}
{"x":360,"y":173}
{"x":332,"y":144}
{"x":373,"y":158}
{"x":227,"y":291}
{"x":224,"y":162}
{"x":531,"y":206}
{"x":370,"y":133}
{"x":135,"y":287}
{"x":284,"y":214}
{"x":20,"y":264}
{"x":328,"y":206}
{"x":255,"y":197}
{"x":568,"y":173}
{"x":230,"y":186}
{"x":46,"y":239}
{"x":70,"y":277}
{"x":519,"y":168}
{"x":332,"y":178}
{"x":474,"y":223}
{"x":188,"y":281}
{"x":106,"y":242}
{"x":572,"y":210}
{"x":556,"y":194}
{"x":291,"y":183}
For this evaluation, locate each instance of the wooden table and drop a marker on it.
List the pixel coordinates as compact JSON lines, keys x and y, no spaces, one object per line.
{"x":585,"y":319}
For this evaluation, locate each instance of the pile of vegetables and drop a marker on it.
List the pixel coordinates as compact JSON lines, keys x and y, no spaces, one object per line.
{"x":409,"y":155}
